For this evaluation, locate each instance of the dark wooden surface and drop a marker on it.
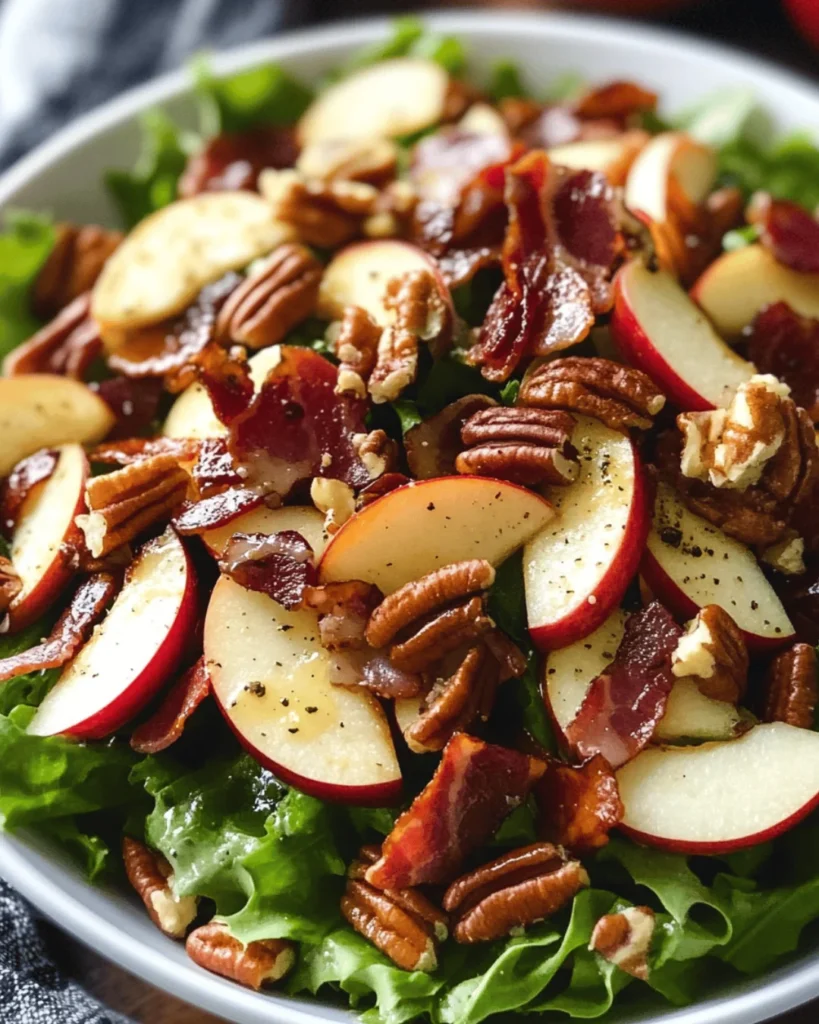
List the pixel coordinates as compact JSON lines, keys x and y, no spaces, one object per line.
{"x":756,"y":25}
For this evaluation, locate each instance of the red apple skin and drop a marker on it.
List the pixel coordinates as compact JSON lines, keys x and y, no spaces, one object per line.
{"x":585,"y":618}
{"x":147,"y":684}
{"x":636,"y":349}
{"x":805,"y":16}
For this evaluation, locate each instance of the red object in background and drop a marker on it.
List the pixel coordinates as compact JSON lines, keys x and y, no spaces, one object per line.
{"x":805,"y":15}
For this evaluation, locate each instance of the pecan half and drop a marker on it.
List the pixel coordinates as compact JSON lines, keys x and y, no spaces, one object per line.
{"x":712,"y":652}
{"x":255,"y":965}
{"x":72,"y":267}
{"x":10,"y":584}
{"x":526,"y":446}
{"x":402,"y":923}
{"x":128,"y":501}
{"x":624,"y":939}
{"x":522,"y":887}
{"x":447,"y":631}
{"x":792,"y":690}
{"x":324,"y":213}
{"x":370,"y":160}
{"x":67,"y":345}
{"x":433,"y":446}
{"x":355,"y":342}
{"x":277,"y":294}
{"x":152,"y":878}
{"x":620,"y":396}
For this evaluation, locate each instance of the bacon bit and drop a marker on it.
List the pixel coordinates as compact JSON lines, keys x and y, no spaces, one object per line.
{"x":168,"y":722}
{"x":26,"y":474}
{"x":579,"y":806}
{"x":216,"y":510}
{"x":443,"y":164}
{"x":226,"y":378}
{"x":280,"y":565}
{"x":381,"y":677}
{"x":787,"y":345}
{"x":473,"y":789}
{"x":70,"y":631}
{"x":134,"y":403}
{"x":623,"y":705}
{"x":598,"y":114}
{"x":787,"y":230}
{"x":232,"y":162}
{"x":616,"y":100}
{"x":135,"y":449}
{"x":344,"y":610}
{"x":214,"y":469}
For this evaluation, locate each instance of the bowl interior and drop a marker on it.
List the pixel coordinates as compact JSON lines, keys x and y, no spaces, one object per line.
{"x":64,"y":177}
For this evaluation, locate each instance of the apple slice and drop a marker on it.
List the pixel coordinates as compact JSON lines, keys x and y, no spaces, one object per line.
{"x":690,"y":716}
{"x":577,"y":569}
{"x":270,"y":676}
{"x":391,"y":98}
{"x":688,"y":563}
{"x":669,"y":158}
{"x":431,"y":523}
{"x":304,"y":519}
{"x":45,"y":534}
{"x":613,"y":157}
{"x":40,"y":410}
{"x":136,"y":648}
{"x":719,"y":797}
{"x":658,"y":329}
{"x":358,"y":276}
{"x":741,"y":283}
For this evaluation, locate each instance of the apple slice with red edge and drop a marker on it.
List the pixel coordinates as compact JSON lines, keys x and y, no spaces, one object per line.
{"x":428,"y":524}
{"x":739,"y":284}
{"x":45,"y":535}
{"x":657,"y":328}
{"x":304,"y":519}
{"x":669,"y":159}
{"x":271,"y":678}
{"x":576,"y":570}
{"x":719,"y":797}
{"x":132,"y":652}
{"x":688,"y":563}
{"x":612,"y":157}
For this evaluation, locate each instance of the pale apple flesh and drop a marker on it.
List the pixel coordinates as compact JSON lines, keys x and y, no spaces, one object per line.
{"x":303,"y":519}
{"x":432,"y":523}
{"x":669,"y":156}
{"x":577,"y":569}
{"x":271,"y":678}
{"x":131,"y":653}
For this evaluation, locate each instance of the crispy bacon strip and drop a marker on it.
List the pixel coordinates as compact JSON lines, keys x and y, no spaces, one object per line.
{"x":216,"y":510}
{"x":168,"y":722}
{"x":214,"y":469}
{"x":474,"y":787}
{"x":623,"y":705}
{"x":18,"y":485}
{"x":233,"y":161}
{"x":227,"y":379}
{"x":579,"y":806}
{"x":788,"y":231}
{"x":280,"y":565}
{"x":787,"y":345}
{"x":70,"y":631}
{"x":135,"y":403}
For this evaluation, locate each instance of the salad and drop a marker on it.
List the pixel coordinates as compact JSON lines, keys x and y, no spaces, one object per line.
{"x":409,"y":566}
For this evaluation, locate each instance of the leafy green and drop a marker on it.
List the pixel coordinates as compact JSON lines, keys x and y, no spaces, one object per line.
{"x":566,"y":87}
{"x":409,"y":38}
{"x":506,"y":81}
{"x":723,"y":118}
{"x":408,"y":414}
{"x":740,"y":237}
{"x":510,"y":391}
{"x":788,"y":169}
{"x":25,"y":243}
{"x":90,"y":851}
{"x":448,"y":379}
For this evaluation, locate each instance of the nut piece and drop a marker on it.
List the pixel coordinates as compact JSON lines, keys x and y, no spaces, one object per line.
{"x":522,"y":887}
{"x":402,"y":923}
{"x":377,"y":451}
{"x":126,"y":502}
{"x":369,"y":160}
{"x":335,"y":499}
{"x":10,"y":584}
{"x":66,"y":346}
{"x":152,"y":878}
{"x":355,"y":342}
{"x":792,"y":691}
{"x":526,"y":446}
{"x":72,"y":267}
{"x":620,"y":396}
{"x":787,"y":555}
{"x":277,"y":294}
{"x":323,"y":213}
{"x":712,"y":652}
{"x":624,"y":939}
{"x":254,"y":965}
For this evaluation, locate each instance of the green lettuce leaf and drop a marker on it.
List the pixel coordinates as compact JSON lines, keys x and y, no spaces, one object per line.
{"x":25,"y":243}
{"x":91,"y":852}
{"x":506,"y":81}
{"x":409,"y":38}
{"x":723,"y":118}
{"x":32,"y":687}
{"x":788,"y":169}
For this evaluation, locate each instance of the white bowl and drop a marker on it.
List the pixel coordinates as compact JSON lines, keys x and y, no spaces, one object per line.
{"x":62,"y":176}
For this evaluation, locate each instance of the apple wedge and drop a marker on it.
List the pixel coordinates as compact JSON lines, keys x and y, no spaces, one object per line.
{"x":270,"y":676}
{"x":389,"y":99}
{"x":688,"y":563}
{"x":658,"y":329}
{"x":612,"y":157}
{"x":45,"y":534}
{"x":135,"y":649}
{"x":719,"y":797}
{"x":577,"y":568}
{"x":40,"y":410}
{"x":304,"y":519}
{"x":431,"y":523}
{"x":741,"y":283}
{"x":670,"y":159}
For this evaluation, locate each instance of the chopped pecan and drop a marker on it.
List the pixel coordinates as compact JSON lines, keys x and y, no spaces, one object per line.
{"x":402,"y":923}
{"x":343,"y":610}
{"x":620,"y":396}
{"x":66,"y":346}
{"x":624,"y":939}
{"x":372,"y":160}
{"x":526,"y":446}
{"x":323,"y":213}
{"x":122,"y":504}
{"x":355,"y":342}
{"x":521,"y":887}
{"x":378,"y":452}
{"x":10,"y":584}
{"x":786,"y":555}
{"x":254,"y":965}
{"x":152,"y":878}
{"x":277,"y":294}
{"x":433,"y":446}
{"x":712,"y":652}
{"x":447,"y":631}
{"x":168,"y":722}
{"x":792,"y":690}
{"x":579,"y":806}
{"x":378,"y":488}
{"x":335,"y":499}
{"x":72,"y":267}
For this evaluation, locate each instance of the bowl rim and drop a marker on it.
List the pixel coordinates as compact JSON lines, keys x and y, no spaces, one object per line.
{"x":23,"y":866}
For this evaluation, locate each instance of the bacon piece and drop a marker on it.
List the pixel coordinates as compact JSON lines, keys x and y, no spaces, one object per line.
{"x":622,"y":707}
{"x":134,"y":403}
{"x":225,"y":376}
{"x":617,"y":100}
{"x":579,"y":806}
{"x":18,"y":485}
{"x":444,"y":163}
{"x":70,"y":631}
{"x":135,"y":449}
{"x":787,"y":345}
{"x":233,"y":161}
{"x":344,"y":610}
{"x":168,"y":722}
{"x":598,"y":114}
{"x":216,"y":510}
{"x":214,"y":469}
{"x":280,"y":565}
{"x":788,"y":231}
{"x":474,"y":787}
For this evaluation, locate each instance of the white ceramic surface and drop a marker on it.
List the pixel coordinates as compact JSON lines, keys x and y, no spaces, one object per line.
{"x":62,"y":176}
